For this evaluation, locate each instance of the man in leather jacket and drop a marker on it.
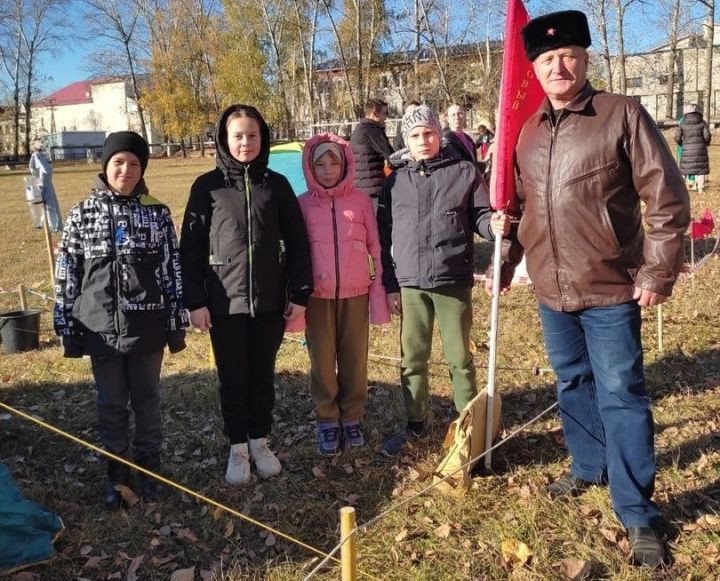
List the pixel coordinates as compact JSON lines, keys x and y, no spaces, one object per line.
{"x":584,"y":162}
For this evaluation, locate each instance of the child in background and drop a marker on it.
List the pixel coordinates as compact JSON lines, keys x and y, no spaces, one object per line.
{"x":246,"y":270}
{"x":427,"y":214}
{"x":345,"y":250}
{"x":119,"y":299}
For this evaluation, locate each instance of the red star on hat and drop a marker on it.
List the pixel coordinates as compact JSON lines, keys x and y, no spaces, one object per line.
{"x":551,"y":32}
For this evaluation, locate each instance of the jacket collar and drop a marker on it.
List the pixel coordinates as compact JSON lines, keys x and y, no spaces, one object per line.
{"x":577,"y":105}
{"x":102,"y":189}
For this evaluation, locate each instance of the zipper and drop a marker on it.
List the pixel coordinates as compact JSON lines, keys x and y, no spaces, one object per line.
{"x":248,"y":202}
{"x":337,"y":249}
{"x":548,"y":195}
{"x":116,"y":277}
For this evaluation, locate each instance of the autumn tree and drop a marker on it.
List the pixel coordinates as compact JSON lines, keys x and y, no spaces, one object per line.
{"x":118,"y":23}
{"x":27,"y":30}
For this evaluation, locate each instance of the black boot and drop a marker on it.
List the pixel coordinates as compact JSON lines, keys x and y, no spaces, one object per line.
{"x":151,"y":489}
{"x":117,"y":473}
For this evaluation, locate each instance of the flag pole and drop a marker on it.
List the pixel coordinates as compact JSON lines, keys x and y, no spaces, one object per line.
{"x":492,"y":358}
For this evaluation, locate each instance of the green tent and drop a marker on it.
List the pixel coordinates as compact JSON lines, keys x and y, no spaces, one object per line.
{"x":27,"y":530}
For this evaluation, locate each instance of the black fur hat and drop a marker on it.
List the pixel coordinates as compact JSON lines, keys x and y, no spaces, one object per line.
{"x":555,"y":30}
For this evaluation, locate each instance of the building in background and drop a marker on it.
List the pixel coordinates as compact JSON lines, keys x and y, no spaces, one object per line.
{"x":105,"y":105}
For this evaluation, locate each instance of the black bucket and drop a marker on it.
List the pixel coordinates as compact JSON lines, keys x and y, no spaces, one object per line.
{"x":20,"y":331}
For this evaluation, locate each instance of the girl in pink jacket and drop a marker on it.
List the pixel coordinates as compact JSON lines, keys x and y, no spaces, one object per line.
{"x":347,"y":278}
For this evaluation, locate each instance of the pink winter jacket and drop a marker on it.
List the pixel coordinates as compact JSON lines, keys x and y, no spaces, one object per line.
{"x":344,"y":242}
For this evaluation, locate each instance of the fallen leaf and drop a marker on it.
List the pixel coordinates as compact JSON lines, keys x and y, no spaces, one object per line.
{"x":206,"y":575}
{"x":94,"y":562}
{"x":351,"y":499}
{"x":128,"y":496}
{"x":86,"y":550}
{"x":574,"y":569}
{"x":183,"y":575}
{"x":270,"y":540}
{"x":318,"y":472}
{"x":442,"y":532}
{"x":515,"y":553}
{"x":134,"y":566}
{"x":186,"y":533}
{"x":610,"y":535}
{"x":401,"y":536}
{"x":160,"y":561}
{"x":229,"y":529}
{"x":217,"y":513}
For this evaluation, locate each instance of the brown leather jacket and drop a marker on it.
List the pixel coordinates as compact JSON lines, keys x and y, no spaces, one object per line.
{"x":581,"y":182}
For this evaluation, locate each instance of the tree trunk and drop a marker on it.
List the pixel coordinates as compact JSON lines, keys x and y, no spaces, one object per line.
{"x":136,"y":91}
{"x":620,"y":37}
{"x":28,"y":99}
{"x":343,"y":60}
{"x":672,"y":58}
{"x":605,"y":45}
{"x":709,"y":30}
{"x":359,"y":57}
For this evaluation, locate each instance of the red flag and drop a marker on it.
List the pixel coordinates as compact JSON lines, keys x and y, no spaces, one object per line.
{"x":703,"y":227}
{"x":520,"y":96}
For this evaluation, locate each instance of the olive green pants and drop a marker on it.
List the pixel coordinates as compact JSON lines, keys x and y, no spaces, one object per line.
{"x":452,"y":306}
{"x":337,"y":337}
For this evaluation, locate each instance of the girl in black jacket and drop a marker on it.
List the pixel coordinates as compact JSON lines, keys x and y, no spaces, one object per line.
{"x":246,"y":266}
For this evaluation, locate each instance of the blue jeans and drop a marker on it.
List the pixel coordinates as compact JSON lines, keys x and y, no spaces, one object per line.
{"x":597,"y":357}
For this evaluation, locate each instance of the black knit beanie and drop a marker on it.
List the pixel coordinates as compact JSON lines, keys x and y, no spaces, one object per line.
{"x":125,"y":141}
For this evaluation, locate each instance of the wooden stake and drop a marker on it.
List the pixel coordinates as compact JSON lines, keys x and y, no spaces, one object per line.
{"x":23,"y":297}
{"x":660,"y":327}
{"x":348,"y":551}
{"x":49,"y":245}
{"x":692,"y":261}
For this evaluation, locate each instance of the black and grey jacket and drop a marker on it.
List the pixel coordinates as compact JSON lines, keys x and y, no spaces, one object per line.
{"x":118,"y":282}
{"x":244,"y":247}
{"x":426,"y":216}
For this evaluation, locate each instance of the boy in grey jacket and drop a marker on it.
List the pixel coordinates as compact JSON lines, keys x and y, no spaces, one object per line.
{"x":427,"y":215}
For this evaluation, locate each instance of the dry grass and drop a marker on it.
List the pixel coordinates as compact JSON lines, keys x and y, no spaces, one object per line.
{"x":510,"y":504}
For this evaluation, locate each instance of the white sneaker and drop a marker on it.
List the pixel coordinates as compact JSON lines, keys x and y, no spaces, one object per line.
{"x":238,"y":469}
{"x":265,"y":461}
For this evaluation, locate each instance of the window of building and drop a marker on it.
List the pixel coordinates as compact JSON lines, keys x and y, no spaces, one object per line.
{"x":663,"y":79}
{"x":634,"y":82}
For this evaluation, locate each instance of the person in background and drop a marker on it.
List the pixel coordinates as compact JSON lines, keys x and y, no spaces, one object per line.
{"x":459,"y":143}
{"x":693,"y":135}
{"x":246,"y":271}
{"x":118,"y":299}
{"x":427,"y":215}
{"x":42,"y":171}
{"x":482,"y":143}
{"x":371,"y":149}
{"x":585,"y":163}
{"x":348,"y":291}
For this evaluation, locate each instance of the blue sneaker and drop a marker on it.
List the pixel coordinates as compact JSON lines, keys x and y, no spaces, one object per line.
{"x":353,"y":435}
{"x":395,"y":443}
{"x":328,"y":438}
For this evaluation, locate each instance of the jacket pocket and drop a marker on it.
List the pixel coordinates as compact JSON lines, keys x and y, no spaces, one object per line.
{"x":357,"y":270}
{"x":140,"y":283}
{"x":604,"y":168}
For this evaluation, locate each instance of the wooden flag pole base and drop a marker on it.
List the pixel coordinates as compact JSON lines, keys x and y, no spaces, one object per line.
{"x":348,"y":551}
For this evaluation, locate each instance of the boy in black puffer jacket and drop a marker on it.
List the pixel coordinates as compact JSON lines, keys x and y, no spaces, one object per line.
{"x":119,"y":300}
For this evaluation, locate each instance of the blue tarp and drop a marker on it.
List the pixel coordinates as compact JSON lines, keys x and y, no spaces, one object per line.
{"x":287,"y":160}
{"x":27,"y":530}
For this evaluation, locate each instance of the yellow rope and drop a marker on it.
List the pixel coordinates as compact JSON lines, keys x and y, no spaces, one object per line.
{"x":177,"y":486}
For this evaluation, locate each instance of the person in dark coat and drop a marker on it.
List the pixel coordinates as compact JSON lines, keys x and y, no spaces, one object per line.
{"x":693,"y":134}
{"x":371,"y":149}
{"x":246,"y":271}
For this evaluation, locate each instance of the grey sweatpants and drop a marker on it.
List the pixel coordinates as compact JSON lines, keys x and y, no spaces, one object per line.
{"x":133,"y":377}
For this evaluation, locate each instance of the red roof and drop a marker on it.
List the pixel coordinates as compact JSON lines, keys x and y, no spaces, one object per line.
{"x":73,"y":94}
